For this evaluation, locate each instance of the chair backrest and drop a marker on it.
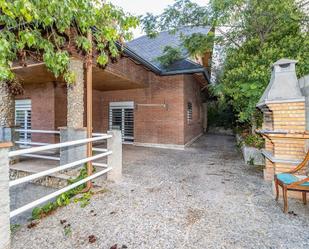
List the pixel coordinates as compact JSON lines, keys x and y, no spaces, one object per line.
{"x":302,"y":164}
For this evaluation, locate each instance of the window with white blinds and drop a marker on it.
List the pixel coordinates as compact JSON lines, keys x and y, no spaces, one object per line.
{"x":23,"y":117}
{"x":121,"y":117}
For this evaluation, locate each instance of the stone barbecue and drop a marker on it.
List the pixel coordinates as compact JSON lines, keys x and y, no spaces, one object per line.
{"x":284,"y":120}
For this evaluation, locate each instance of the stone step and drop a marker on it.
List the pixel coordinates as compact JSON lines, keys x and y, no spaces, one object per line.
{"x":27,"y":167}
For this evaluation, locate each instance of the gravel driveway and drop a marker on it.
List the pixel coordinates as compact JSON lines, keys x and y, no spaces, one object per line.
{"x":203,"y":197}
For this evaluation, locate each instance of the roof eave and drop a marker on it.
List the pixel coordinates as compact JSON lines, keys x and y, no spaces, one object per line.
{"x":188,"y":71}
{"x":157,"y":70}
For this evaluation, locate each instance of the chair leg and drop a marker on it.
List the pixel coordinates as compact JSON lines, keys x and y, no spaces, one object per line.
{"x":285,"y":199}
{"x":277,"y":189}
{"x":304,"y":198}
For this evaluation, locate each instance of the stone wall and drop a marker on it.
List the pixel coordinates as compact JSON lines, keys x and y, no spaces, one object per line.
{"x":7,"y":106}
{"x":75,"y":94}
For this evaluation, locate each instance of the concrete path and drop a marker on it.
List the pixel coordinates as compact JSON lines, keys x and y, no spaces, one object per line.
{"x":23,"y":194}
{"x":203,"y":197}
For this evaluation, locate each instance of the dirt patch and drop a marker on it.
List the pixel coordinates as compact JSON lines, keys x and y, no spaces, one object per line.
{"x":193,"y":216}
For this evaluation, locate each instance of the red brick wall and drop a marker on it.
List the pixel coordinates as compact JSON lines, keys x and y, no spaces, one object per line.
{"x":128,"y":70}
{"x":154,"y":125}
{"x":60,"y":106}
{"x":98,"y":110}
{"x":192,"y":94}
{"x":158,"y":125}
{"x":43,"y":108}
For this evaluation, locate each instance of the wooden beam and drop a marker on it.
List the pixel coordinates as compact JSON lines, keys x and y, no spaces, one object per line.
{"x":89,"y":107}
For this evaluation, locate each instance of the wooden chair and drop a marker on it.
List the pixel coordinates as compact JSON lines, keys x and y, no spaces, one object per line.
{"x":293,"y":182}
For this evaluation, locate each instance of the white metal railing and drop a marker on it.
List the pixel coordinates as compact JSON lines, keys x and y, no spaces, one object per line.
{"x":38,"y":131}
{"x":30,"y":144}
{"x":55,"y":146}
{"x":27,"y":144}
{"x":32,"y":177}
{"x":54,"y":158}
{"x":59,"y":192}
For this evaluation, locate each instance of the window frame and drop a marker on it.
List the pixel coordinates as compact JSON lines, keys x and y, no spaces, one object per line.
{"x":189,"y":112}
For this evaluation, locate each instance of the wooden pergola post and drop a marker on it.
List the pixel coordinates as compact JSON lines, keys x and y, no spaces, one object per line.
{"x":89,"y":107}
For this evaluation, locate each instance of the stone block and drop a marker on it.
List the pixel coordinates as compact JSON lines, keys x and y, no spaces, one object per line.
{"x":72,"y":153}
{"x":114,"y":160}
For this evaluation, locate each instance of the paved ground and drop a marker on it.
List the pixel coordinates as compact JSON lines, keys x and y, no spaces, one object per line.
{"x":203,"y":197}
{"x":23,"y":194}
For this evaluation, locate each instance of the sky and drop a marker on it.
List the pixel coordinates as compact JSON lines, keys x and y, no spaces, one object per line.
{"x":141,"y":7}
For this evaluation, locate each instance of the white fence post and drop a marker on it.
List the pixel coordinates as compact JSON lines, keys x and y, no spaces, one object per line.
{"x":4,"y":196}
{"x":114,"y":160}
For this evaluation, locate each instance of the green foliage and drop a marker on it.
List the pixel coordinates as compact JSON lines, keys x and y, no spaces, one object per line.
{"x":67,"y":231}
{"x":254,"y":140}
{"x":251,"y":161}
{"x":181,"y":13}
{"x":84,"y":200}
{"x":170,"y":55}
{"x":50,"y":30}
{"x":254,"y":35}
{"x":270,"y":30}
{"x":14,"y":228}
{"x":198,"y":43}
{"x":65,"y":198}
{"x":220,"y":114}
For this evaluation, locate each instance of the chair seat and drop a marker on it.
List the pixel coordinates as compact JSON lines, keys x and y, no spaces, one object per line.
{"x":287,"y":179}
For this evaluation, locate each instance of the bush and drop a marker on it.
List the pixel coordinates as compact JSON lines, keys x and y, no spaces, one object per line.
{"x":220,"y":115}
{"x":65,"y":198}
{"x":254,"y":140}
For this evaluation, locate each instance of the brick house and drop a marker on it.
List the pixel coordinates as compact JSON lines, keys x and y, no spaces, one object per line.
{"x":151,"y":104}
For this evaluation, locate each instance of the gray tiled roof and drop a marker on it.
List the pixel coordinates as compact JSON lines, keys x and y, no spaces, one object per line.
{"x":151,"y":48}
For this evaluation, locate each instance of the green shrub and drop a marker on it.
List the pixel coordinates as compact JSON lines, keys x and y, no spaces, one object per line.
{"x":220,"y":114}
{"x":254,"y":140}
{"x":65,"y":198}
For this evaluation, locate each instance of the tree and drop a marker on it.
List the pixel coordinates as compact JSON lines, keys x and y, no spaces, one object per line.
{"x":263,"y":32}
{"x":182,"y":13}
{"x":254,"y":34}
{"x":50,"y":30}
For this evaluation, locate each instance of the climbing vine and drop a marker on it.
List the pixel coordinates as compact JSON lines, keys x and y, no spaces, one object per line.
{"x":50,"y":31}
{"x":65,"y":198}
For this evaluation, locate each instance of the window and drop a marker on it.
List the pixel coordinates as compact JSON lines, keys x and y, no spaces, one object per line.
{"x":23,"y":118}
{"x":189,"y":112}
{"x":121,"y":117}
